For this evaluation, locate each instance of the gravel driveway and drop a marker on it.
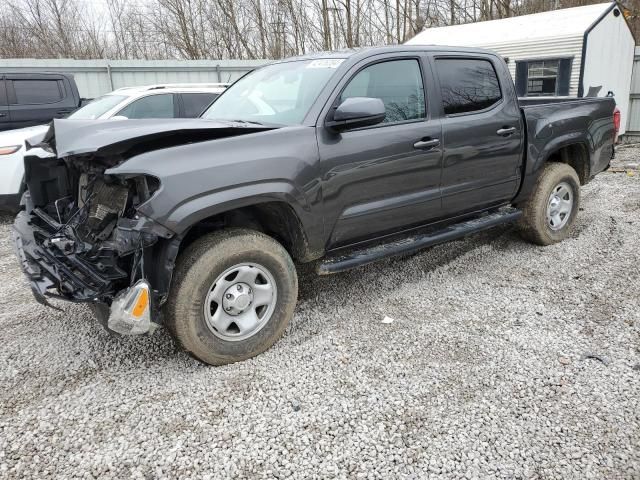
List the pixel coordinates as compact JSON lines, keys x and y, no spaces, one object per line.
{"x":503,"y":360}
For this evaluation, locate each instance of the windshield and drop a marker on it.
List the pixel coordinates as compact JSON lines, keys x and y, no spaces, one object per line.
{"x":96,"y":108}
{"x":281,"y":93}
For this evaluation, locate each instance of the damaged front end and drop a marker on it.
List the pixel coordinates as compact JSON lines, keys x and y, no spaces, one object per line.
{"x":81,"y":238}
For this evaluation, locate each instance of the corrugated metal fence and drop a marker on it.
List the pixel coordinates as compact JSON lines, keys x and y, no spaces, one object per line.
{"x":633,"y":127}
{"x":97,"y":77}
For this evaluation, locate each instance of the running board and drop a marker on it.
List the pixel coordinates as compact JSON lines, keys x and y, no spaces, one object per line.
{"x":413,"y":243}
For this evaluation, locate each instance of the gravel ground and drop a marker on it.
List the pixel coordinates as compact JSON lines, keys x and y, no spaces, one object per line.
{"x":504,"y":360}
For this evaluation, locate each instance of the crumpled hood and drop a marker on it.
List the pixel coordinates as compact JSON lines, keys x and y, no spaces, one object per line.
{"x":129,"y":137}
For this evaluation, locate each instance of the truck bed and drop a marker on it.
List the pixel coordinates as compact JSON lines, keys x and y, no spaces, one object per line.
{"x":552,"y":122}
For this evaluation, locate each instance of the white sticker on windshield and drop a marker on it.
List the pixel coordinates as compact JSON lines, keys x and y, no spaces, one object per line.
{"x":326,"y":63}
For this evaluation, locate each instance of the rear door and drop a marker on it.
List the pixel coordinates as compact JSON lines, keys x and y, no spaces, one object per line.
{"x":193,"y":104}
{"x":5,"y":123}
{"x":482,"y":133}
{"x":36,"y":99}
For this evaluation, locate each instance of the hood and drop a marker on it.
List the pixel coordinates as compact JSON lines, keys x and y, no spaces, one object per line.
{"x":125,"y":138}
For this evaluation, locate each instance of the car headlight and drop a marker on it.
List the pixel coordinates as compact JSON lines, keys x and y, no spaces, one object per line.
{"x":10,"y":149}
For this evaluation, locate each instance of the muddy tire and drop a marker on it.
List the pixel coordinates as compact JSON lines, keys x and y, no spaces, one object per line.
{"x":232,"y":296}
{"x":550,"y":212}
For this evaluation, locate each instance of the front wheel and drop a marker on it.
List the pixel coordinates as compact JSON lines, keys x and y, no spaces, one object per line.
{"x":550,"y":212}
{"x":233,"y":294}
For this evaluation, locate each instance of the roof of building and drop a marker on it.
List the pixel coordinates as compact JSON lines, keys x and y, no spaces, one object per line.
{"x":554,"y":23}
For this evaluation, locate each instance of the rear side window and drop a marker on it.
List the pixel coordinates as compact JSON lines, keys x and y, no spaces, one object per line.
{"x":467,"y":85}
{"x":153,"y":106}
{"x":29,"y":92}
{"x":398,"y":83}
{"x":195,"y":103}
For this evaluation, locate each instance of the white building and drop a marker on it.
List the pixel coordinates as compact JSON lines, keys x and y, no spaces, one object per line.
{"x":575,"y":52}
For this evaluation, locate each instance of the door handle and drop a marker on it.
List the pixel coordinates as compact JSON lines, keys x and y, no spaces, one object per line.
{"x":506,"y":131}
{"x":427,"y":144}
{"x":3,"y":114}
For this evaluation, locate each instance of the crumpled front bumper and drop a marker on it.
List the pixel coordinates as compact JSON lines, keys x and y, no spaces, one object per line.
{"x":54,"y":273}
{"x":39,"y":282}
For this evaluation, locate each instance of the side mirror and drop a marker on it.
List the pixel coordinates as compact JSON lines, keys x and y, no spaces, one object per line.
{"x":357,"y":112}
{"x":119,"y":117}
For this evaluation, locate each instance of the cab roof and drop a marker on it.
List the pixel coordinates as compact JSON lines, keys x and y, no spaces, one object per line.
{"x":364,"y":52}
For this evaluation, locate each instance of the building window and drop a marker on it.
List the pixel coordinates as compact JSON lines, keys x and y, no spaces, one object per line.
{"x":542,"y":78}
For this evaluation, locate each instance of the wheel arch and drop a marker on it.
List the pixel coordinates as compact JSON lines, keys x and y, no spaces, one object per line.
{"x":574,"y":154}
{"x":279,"y":211}
{"x":273,"y":216}
{"x":574,"y":149}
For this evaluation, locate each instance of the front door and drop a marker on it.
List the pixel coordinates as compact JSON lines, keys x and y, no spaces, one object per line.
{"x":384,"y":178}
{"x":482,"y":134}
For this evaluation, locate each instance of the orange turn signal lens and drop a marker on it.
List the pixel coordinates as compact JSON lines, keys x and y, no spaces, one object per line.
{"x":142,"y":302}
{"x":9,"y":150}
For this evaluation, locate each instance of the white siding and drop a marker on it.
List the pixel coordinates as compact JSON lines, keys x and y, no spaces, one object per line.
{"x":610,"y":51}
{"x":543,"y":48}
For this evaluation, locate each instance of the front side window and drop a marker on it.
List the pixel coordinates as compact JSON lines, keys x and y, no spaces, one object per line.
{"x":542,"y":78}
{"x":281,"y":93}
{"x":30,"y":92}
{"x":98,"y":107}
{"x":467,"y":85}
{"x":398,"y":83}
{"x":153,"y":106}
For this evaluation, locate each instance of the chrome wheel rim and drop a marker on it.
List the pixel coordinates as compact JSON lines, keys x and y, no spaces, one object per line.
{"x":559,"y":206}
{"x":240,"y":301}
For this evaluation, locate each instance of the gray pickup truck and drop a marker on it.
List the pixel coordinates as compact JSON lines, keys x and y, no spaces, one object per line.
{"x":335,"y":158}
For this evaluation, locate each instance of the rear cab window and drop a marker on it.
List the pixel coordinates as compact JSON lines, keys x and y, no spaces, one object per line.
{"x":33,"y":92}
{"x":467,"y":85}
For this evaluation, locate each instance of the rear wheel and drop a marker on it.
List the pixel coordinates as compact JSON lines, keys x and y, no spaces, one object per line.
{"x":553,"y":205}
{"x":233,"y":294}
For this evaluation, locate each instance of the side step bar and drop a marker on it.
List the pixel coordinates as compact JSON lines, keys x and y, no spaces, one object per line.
{"x":415,"y":242}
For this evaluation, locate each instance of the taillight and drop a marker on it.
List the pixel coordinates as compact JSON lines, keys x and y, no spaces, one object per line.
{"x":616,"y":119}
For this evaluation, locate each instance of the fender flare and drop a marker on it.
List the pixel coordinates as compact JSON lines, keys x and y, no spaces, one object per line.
{"x":191,"y":211}
{"x":538,"y":157}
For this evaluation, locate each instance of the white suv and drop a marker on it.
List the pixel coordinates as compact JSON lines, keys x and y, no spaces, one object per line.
{"x":153,"y":101}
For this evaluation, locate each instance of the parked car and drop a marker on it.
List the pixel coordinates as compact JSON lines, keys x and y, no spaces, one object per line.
{"x":153,"y":101}
{"x":335,"y":158}
{"x":28,"y":99}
